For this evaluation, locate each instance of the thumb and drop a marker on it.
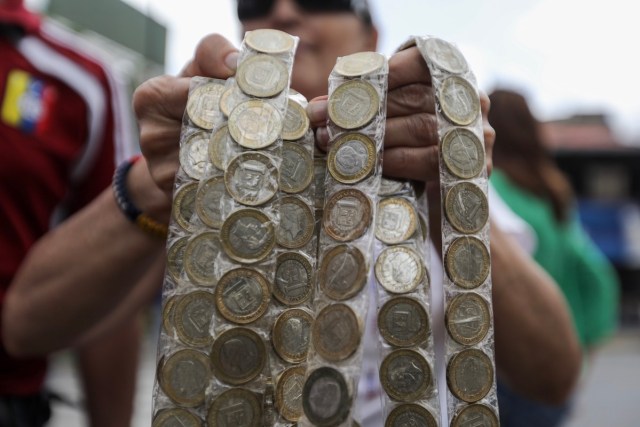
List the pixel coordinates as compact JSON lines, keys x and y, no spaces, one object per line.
{"x":215,"y":57}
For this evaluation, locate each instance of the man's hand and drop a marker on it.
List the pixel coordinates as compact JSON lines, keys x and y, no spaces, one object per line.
{"x":159,"y":105}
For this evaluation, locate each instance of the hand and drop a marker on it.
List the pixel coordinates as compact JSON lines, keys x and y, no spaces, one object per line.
{"x":159,"y":104}
{"x":411,"y":137}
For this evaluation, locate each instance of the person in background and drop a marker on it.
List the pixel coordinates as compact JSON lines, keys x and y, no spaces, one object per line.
{"x":527,"y":179}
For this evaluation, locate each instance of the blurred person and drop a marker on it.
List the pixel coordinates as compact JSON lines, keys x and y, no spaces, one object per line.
{"x":527,"y":179}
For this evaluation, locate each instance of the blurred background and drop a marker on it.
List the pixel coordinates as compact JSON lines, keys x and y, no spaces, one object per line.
{"x":574,"y":60}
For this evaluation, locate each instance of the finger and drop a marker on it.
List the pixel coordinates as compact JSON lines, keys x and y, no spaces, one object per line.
{"x":419,"y":164}
{"x":322,"y":138}
{"x":317,"y":111}
{"x":416,"y":130}
{"x":409,"y":99}
{"x":406,"y":67}
{"x":161,"y":97}
{"x":215,"y":57}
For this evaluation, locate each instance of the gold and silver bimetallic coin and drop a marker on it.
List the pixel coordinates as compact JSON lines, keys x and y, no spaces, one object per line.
{"x":297,"y":223}
{"x":325,"y":397}
{"x":290,"y":335}
{"x":236,"y":407}
{"x":238,"y":356}
{"x":168,"y":310}
{"x":231,"y":97}
{"x":468,"y":318}
{"x":269,"y":41}
{"x":200,"y":256}
{"x":463,"y":153}
{"x":445,"y":56}
{"x":353,"y":104}
{"x":251,"y":178}
{"x":255,"y":124}
{"x":475,"y":415}
{"x":175,"y":257}
{"x":403,"y":322}
{"x":203,"y":106}
{"x":297,"y":168}
{"x":467,"y":262}
{"x":247,"y":236}
{"x":466,"y":207}
{"x":262,"y":76}
{"x":184,"y":377}
{"x":193,"y":316}
{"x":352,"y":158}
{"x":184,"y":204}
{"x":399,"y":269}
{"x":343,"y":272}
{"x":405,"y":375}
{"x":470,"y":375}
{"x":289,"y":393}
{"x":293,"y":279}
{"x":336,"y":332}
{"x":459,"y":101}
{"x":175,"y":417}
{"x":411,"y":414}
{"x":396,"y":220}
{"x":194,"y":154}
{"x":359,"y":64}
{"x":209,"y":201}
{"x":242,"y":295}
{"x":296,"y":121}
{"x":222,"y":147}
{"x":347,"y":215}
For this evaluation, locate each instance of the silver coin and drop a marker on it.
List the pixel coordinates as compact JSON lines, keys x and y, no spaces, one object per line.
{"x":208,"y":201}
{"x":291,"y":335}
{"x":185,"y":377}
{"x":296,"y":170}
{"x":193,"y":315}
{"x":390,"y":187}
{"x":403,"y":322}
{"x":445,"y":55}
{"x":466,"y":207}
{"x":293,"y":279}
{"x":459,"y":101}
{"x":251,"y":178}
{"x":203,"y":105}
{"x":247,"y":236}
{"x":396,"y":220}
{"x":325,"y":397}
{"x":470,"y":375}
{"x":463,"y":153}
{"x":296,"y":225}
{"x":359,"y":64}
{"x":399,"y":269}
{"x":269,"y":41}
{"x":200,"y":256}
{"x":238,"y":355}
{"x":255,"y":124}
{"x":468,"y":318}
{"x":236,"y":407}
{"x":467,"y":262}
{"x":336,"y":333}
{"x":405,"y":375}
{"x":296,"y":121}
{"x":194,"y":154}
{"x":242,"y":295}
{"x":262,"y":76}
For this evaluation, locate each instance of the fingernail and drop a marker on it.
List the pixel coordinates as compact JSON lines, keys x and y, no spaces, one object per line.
{"x":317,"y":111}
{"x":231,"y":60}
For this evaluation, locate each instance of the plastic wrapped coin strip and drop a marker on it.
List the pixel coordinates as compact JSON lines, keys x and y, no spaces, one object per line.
{"x":470,"y":369}
{"x":357,"y":111}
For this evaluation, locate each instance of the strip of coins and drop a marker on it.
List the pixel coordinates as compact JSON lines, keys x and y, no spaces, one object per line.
{"x":357,"y":111}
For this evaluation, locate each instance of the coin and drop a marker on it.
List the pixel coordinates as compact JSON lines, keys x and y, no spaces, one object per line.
{"x":296,"y":225}
{"x":467,"y":262}
{"x":445,"y":55}
{"x":251,"y":178}
{"x":463,"y":153}
{"x":296,"y":170}
{"x":336,"y":333}
{"x":410,"y":414}
{"x":184,"y":204}
{"x":296,"y":121}
{"x":208,"y":201}
{"x":168,"y":310}
{"x":470,"y":375}
{"x":405,"y":375}
{"x":466,"y":207}
{"x":238,"y":356}
{"x":194,"y":154}
{"x":203,"y":105}
{"x":352,"y":158}
{"x":459,"y":100}
{"x":289,"y":393}
{"x":269,"y":41}
{"x":193,"y":316}
{"x":200,"y":256}
{"x":222,"y":147}
{"x":347,"y":215}
{"x":476,"y":415}
{"x":290,"y":335}
{"x":319,"y":169}
{"x":185,"y":377}
{"x":247,"y":236}
{"x":293,"y":279}
{"x":390,"y":186}
{"x":242,"y":295}
{"x":175,"y":417}
{"x":396,"y":220}
{"x":359,"y":64}
{"x":175,"y":256}
{"x":399,"y":269}
{"x":353,"y":104}
{"x":255,"y":124}
{"x":262,"y":76}
{"x":231,"y":97}
{"x":343,"y":272}
{"x":236,"y":407}
{"x":403,"y":322}
{"x":468,"y":318}
{"x":325,"y":397}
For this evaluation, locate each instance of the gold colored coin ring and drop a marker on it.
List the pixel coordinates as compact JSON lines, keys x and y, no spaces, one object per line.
{"x":215,"y":355}
{"x":192,"y":110}
{"x":406,"y":207}
{"x":388,"y":336}
{"x":369,"y":165}
{"x":216,"y":147}
{"x":199,"y":277}
{"x":168,"y":417}
{"x":476,"y":409}
{"x":358,"y":283}
{"x":363,"y":224}
{"x":227,"y":279}
{"x":293,"y":256}
{"x":225,"y":233}
{"x":169,"y":365}
{"x":343,"y":90}
{"x":302,"y":127}
{"x":454,"y":305}
{"x":400,"y":410}
{"x":310,"y":222}
{"x":450,"y":207}
{"x":279,"y":341}
{"x":449,"y":262}
{"x":181,"y":306}
{"x":235,"y":394}
{"x":175,"y":257}
{"x":459,"y":390}
{"x":335,"y":355}
{"x":448,"y":139}
{"x":168,"y":311}
{"x":249,"y":64}
{"x":288,"y":411}
{"x":179,"y":207}
{"x":421,"y":364}
{"x":451,"y":115}
{"x":307,"y":160}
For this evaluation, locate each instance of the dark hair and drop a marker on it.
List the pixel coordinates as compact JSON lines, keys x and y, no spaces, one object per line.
{"x":519,"y":152}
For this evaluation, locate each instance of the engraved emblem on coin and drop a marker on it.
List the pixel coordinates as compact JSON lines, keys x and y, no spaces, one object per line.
{"x":222,"y":148}
{"x":470,"y":375}
{"x":399,"y":269}
{"x":352,"y":158}
{"x":185,"y":377}
{"x":459,"y":101}
{"x":193,"y":316}
{"x":236,"y":407}
{"x":359,"y":64}
{"x":203,"y":105}
{"x":410,"y":414}
{"x":175,"y":417}
{"x":468,"y":318}
{"x":343,"y":272}
{"x":194,"y":154}
{"x":184,"y":204}
{"x":446,"y":56}
{"x":403,"y":322}
{"x":290,"y":335}
{"x":476,"y":415}
{"x":247,"y":236}
{"x":289,"y":393}
{"x":269,"y":41}
{"x":405,"y":375}
{"x":396,"y":220}
{"x":238,"y":356}
{"x":466,"y":208}
{"x":319,"y":168}
{"x":255,"y":124}
{"x":467,"y":262}
{"x":347,"y":215}
{"x":296,"y":121}
{"x":463,"y":153}
{"x":175,"y":257}
{"x":200,"y":256}
{"x":262,"y":76}
{"x":242,"y":295}
{"x":336,"y":333}
{"x":353,"y":104}
{"x":208,"y":200}
{"x":325,"y":397}
{"x":296,"y":171}
{"x":296,"y":225}
{"x":251,"y":178}
{"x":293,"y":283}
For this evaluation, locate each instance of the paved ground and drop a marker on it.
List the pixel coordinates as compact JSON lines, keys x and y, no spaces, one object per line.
{"x":610,"y":392}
